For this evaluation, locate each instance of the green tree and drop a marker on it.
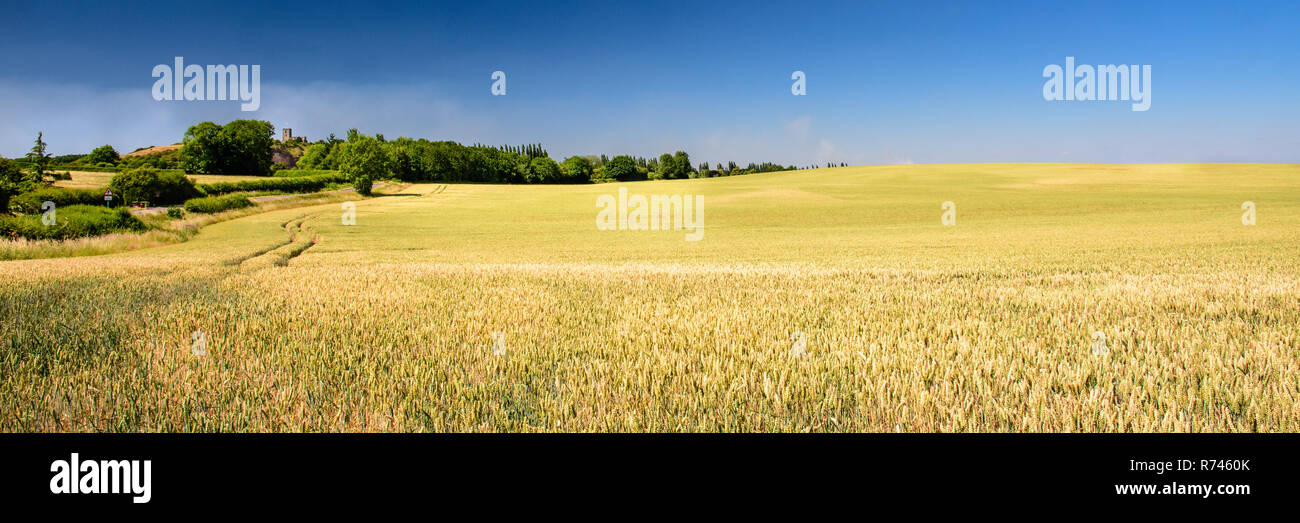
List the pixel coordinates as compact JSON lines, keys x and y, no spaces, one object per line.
{"x":14,"y":181}
{"x":103,"y":154}
{"x":248,"y":146}
{"x":544,"y":170}
{"x":665,"y":166}
{"x":363,"y":160}
{"x":39,"y":159}
{"x":152,"y":185}
{"x":682,"y":167}
{"x":314,"y":158}
{"x":239,"y":147}
{"x":578,"y":169}
{"x":332,"y":159}
{"x":622,"y":168}
{"x":202,"y":148}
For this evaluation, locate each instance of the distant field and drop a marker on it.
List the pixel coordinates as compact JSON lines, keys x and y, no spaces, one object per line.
{"x":823,"y":300}
{"x":94,"y":180}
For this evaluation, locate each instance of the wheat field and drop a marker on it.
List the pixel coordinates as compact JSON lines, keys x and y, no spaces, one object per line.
{"x":1066,"y":298}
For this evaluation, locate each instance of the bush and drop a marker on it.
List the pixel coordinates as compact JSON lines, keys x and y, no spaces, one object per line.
{"x":75,"y":221}
{"x":65,"y":159}
{"x":544,"y":170}
{"x":175,"y":212}
{"x":299,"y":173}
{"x":104,"y":154}
{"x":14,"y":180}
{"x":577,"y":169}
{"x":211,"y":204}
{"x":156,"y":187}
{"x":30,"y":202}
{"x":300,"y":184}
{"x":316,"y":157}
{"x":621,"y":168}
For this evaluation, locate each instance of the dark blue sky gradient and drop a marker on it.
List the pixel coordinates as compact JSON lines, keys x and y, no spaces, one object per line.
{"x":887,"y":82}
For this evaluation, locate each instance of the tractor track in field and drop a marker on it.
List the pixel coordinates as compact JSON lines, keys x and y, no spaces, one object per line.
{"x":300,"y":237}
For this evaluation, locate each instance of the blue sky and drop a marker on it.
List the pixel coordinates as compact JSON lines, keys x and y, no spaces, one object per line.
{"x":887,"y":82}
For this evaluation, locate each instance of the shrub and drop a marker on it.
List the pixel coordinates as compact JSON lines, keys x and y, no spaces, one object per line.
{"x":74,"y":221}
{"x":299,"y":173}
{"x":544,"y":170}
{"x":65,"y":159}
{"x":621,"y":168}
{"x":14,"y":180}
{"x":577,"y":169}
{"x":175,"y":212}
{"x":157,"y":187}
{"x":211,"y":204}
{"x":315,"y":157}
{"x":103,"y":154}
{"x":30,"y":202}
{"x":300,"y":184}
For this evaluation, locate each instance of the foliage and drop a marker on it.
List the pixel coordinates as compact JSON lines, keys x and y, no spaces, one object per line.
{"x":300,"y":173}
{"x":316,"y":157}
{"x":74,"y":221}
{"x":160,"y":160}
{"x":30,"y":202}
{"x":363,"y":160}
{"x":621,"y":168}
{"x":544,"y":170}
{"x":37,"y":157}
{"x":152,"y":185}
{"x":64,"y":159}
{"x":301,"y":184}
{"x":211,"y":204}
{"x":420,"y":160}
{"x":578,"y":169}
{"x":239,"y":147}
{"x":103,"y":154}
{"x":13,"y":181}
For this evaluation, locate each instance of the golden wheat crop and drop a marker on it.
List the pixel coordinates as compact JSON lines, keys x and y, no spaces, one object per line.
{"x":827,"y":300}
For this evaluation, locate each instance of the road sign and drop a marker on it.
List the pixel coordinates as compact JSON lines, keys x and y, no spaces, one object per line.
{"x":108,"y":196}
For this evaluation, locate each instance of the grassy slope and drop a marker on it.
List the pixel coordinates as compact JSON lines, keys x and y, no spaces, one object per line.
{"x":387,"y":325}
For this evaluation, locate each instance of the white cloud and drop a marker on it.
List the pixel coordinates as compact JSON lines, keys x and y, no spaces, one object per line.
{"x":896,"y":159}
{"x":800,"y":127}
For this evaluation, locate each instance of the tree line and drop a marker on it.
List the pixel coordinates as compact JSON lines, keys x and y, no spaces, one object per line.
{"x":245,"y":147}
{"x":420,"y":159}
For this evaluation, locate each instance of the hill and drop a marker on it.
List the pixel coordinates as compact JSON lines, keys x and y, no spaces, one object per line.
{"x":153,"y":150}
